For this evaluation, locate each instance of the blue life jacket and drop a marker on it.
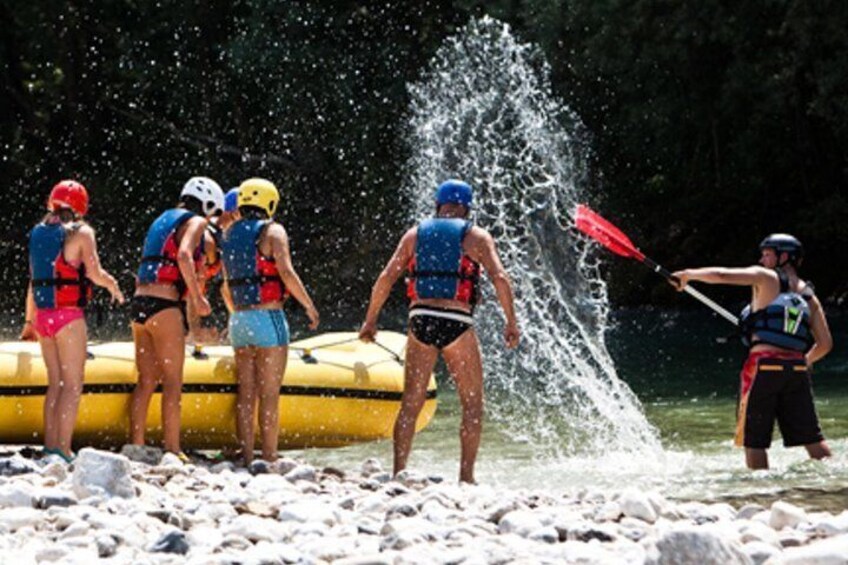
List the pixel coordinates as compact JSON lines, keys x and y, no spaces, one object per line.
{"x":159,"y":256}
{"x":440,"y":269}
{"x":784,"y":323}
{"x":55,"y":283}
{"x":252,"y":277}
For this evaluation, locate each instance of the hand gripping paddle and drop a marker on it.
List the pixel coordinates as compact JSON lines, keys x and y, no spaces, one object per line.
{"x":599,"y":229}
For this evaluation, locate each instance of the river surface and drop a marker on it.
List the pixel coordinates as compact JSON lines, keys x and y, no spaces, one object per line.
{"x":684,"y":369}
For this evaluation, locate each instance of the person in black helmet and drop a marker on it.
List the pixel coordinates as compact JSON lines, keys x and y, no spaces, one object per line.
{"x":786,"y":332}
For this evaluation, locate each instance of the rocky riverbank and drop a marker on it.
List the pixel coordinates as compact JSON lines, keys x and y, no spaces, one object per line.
{"x":142,"y":507}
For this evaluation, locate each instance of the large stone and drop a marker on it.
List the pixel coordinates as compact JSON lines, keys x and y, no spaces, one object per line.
{"x":636,"y":504}
{"x":14,"y":495}
{"x":749,"y":511}
{"x":520,"y":522}
{"x":102,"y":473}
{"x":16,"y":465}
{"x":146,"y":454}
{"x":691,"y":544}
{"x":173,"y":541}
{"x":14,"y":519}
{"x":785,"y":515}
{"x":405,"y":532}
{"x":832,"y":551}
{"x":302,"y":473}
{"x":306,"y":511}
{"x":759,"y":552}
{"x":256,"y":529}
{"x":831,"y":525}
{"x":757,"y":531}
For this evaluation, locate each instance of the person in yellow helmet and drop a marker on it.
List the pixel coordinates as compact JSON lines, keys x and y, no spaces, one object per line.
{"x":259,"y":275}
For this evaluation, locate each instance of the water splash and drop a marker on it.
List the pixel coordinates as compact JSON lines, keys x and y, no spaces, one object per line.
{"x":484,"y":112}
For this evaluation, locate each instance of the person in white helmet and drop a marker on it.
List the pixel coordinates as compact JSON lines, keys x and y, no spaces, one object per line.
{"x":172,"y":265}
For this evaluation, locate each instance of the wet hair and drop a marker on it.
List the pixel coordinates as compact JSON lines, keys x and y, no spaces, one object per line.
{"x":192,"y":204}
{"x":253,"y":213}
{"x":64,"y":215}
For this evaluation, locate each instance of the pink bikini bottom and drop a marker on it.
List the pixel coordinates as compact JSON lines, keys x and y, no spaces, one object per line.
{"x":50,"y":321}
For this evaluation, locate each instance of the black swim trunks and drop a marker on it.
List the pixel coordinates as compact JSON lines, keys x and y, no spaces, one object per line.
{"x":776,"y":388}
{"x":142,"y":308}
{"x":438,"y":327}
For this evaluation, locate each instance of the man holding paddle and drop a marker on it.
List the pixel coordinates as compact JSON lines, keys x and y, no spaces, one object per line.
{"x":784,"y":328}
{"x":786,"y":331}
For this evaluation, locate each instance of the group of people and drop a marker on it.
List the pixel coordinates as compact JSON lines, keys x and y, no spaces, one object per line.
{"x":208,"y":232}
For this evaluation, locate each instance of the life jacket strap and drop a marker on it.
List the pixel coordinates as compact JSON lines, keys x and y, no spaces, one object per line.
{"x":255,"y":279}
{"x":444,"y":274}
{"x":58,"y":282}
{"x":158,"y":259}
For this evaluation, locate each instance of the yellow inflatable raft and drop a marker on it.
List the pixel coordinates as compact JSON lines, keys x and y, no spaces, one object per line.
{"x":336,"y":391}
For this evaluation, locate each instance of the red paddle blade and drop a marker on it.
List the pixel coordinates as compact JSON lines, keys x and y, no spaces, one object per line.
{"x":605,"y":233}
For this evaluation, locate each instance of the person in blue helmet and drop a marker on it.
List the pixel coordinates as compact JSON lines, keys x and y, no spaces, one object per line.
{"x":786,"y":331}
{"x":443,"y":257}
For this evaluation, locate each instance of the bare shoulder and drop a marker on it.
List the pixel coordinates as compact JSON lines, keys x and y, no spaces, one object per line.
{"x":82,"y":232}
{"x":275,"y":230}
{"x":409,"y":238}
{"x":477,"y":237}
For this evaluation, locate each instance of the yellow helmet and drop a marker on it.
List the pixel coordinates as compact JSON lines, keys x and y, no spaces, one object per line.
{"x":260,"y":193}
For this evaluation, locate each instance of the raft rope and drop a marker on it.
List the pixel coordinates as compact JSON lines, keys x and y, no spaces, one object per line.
{"x":307,"y":351}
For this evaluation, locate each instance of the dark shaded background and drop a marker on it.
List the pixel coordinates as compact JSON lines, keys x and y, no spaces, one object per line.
{"x":712,"y":123}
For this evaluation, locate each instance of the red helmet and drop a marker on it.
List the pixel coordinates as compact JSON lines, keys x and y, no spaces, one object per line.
{"x":68,"y":194}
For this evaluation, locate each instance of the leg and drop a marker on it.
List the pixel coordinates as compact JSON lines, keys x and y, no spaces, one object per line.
{"x":756,"y":458}
{"x":50,"y":354}
{"x":466,"y":367}
{"x":71,"y":346}
{"x":246,"y":400}
{"x":148,"y":378}
{"x":270,"y":366}
{"x":818,"y":450}
{"x":166,"y":330}
{"x":420,"y":359}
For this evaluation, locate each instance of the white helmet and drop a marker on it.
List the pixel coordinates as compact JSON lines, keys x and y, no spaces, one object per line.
{"x":208,"y":192}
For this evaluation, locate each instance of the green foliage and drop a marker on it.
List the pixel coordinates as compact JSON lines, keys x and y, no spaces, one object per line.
{"x":712,"y":122}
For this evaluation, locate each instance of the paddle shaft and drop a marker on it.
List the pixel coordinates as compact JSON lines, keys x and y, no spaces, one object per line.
{"x":694,"y":293}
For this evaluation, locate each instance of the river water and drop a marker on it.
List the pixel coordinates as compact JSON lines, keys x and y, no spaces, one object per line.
{"x":685,"y":374}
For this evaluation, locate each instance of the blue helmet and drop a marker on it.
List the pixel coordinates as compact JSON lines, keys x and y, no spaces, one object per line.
{"x":783,"y":242}
{"x":454,"y":191}
{"x":231,"y":200}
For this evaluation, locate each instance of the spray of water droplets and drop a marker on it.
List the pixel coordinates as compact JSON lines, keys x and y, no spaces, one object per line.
{"x":484,"y":112}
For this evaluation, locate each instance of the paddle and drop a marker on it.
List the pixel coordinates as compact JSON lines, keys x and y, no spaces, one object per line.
{"x":602,"y":231}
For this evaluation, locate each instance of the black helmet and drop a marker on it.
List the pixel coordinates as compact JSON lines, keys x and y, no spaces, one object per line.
{"x":784,"y":243}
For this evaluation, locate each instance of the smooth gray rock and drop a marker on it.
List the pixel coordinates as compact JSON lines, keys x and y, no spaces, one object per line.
{"x":749,"y":511}
{"x":308,"y":511}
{"x":832,"y":551}
{"x":146,"y":454}
{"x":17,"y":465}
{"x":107,"y":546}
{"x":785,"y":515}
{"x":759,"y":551}
{"x":302,"y":473}
{"x":259,"y":467}
{"x":16,"y":495}
{"x":636,"y":504}
{"x":173,"y":541}
{"x":371,"y":466}
{"x":691,"y":544}
{"x":102,"y":473}
{"x":520,"y":522}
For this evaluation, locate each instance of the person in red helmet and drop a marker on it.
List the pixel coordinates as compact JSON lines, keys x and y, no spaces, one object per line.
{"x":63,"y":264}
